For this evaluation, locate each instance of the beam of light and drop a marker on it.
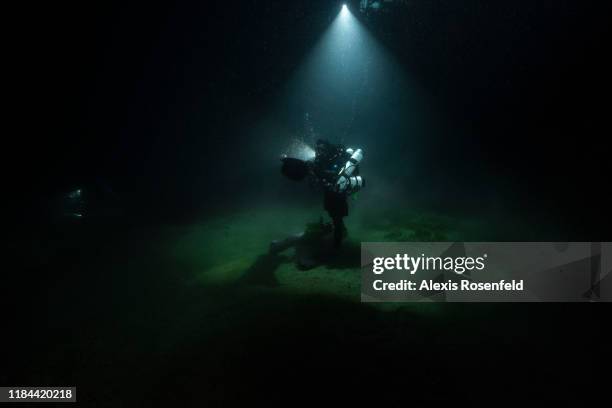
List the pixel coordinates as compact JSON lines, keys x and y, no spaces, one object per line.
{"x":352,"y":91}
{"x":348,"y":89}
{"x":345,"y":75}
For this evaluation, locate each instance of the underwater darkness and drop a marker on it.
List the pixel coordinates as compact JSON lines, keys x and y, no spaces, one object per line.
{"x":186,"y":108}
{"x":148,"y":188}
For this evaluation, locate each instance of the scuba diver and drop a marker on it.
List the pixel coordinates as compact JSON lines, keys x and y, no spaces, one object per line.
{"x":335,"y":170}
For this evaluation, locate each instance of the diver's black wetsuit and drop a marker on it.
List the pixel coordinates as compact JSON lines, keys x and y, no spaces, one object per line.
{"x":328,"y":161}
{"x":337,"y":207}
{"x":335,"y":170}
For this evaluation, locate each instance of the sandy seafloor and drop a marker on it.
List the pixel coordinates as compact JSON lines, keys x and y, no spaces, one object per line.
{"x":197,"y":312}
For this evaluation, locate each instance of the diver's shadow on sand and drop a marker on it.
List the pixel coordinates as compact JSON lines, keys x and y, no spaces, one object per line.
{"x":262,"y":272}
{"x":307,"y":255}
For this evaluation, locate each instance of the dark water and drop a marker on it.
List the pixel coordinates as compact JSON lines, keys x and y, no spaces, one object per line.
{"x":140,"y":215}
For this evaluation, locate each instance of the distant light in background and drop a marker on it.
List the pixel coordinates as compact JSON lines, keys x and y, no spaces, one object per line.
{"x":345,"y":16}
